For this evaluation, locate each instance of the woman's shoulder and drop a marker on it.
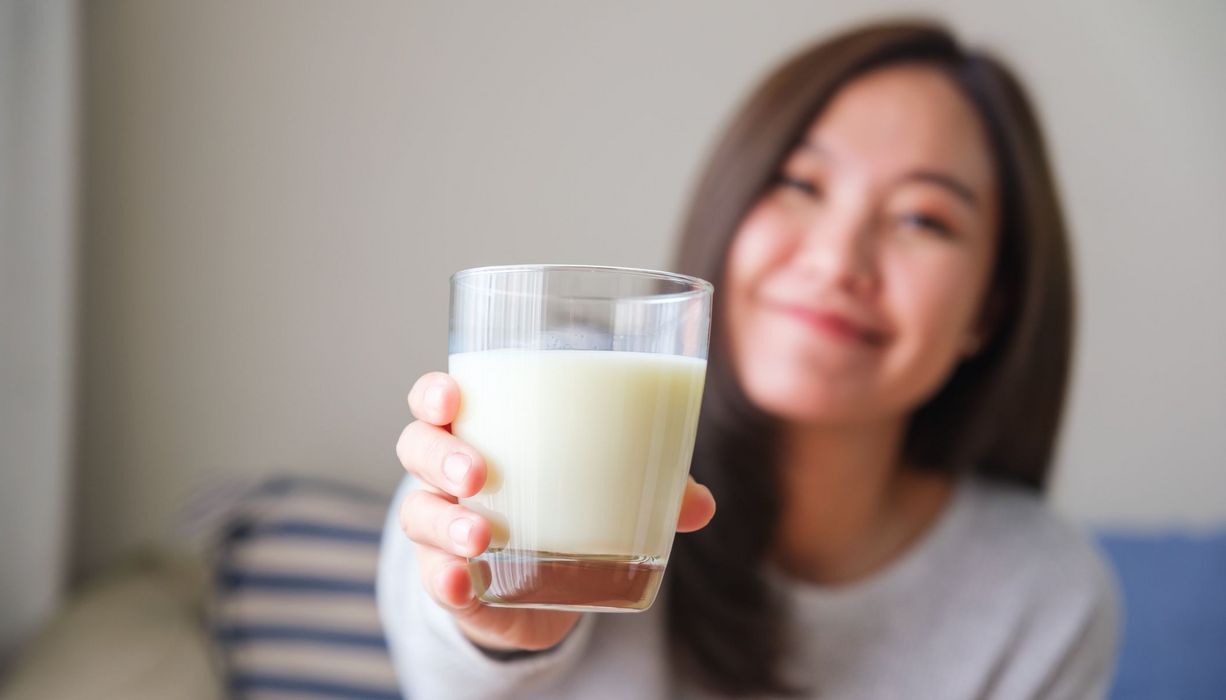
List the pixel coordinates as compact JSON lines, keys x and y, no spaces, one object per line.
{"x":1022,"y":522}
{"x":1018,"y":535}
{"x":1047,"y":583}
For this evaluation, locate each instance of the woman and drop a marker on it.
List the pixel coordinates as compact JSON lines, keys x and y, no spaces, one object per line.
{"x":889,"y":357}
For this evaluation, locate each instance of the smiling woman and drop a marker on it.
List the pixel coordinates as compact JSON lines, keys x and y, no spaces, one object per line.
{"x":896,"y":305}
{"x":890,"y":347}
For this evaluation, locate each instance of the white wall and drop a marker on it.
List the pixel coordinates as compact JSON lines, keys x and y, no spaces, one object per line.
{"x":277,"y":192}
{"x":38,"y":52}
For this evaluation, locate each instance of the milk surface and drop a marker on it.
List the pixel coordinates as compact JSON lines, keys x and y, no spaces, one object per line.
{"x":587,"y":450}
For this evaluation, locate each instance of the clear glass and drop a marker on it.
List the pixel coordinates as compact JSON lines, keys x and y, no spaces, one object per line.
{"x":581,"y":388}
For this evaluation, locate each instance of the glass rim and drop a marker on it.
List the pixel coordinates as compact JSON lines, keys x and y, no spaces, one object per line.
{"x":696,"y":286}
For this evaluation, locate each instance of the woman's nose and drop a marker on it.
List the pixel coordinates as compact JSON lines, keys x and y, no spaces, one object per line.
{"x":841,"y":252}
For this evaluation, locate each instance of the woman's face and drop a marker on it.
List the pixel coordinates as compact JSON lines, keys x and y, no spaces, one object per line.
{"x":856,"y":283}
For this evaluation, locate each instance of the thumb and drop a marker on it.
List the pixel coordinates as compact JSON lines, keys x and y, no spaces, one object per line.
{"x":697,"y":507}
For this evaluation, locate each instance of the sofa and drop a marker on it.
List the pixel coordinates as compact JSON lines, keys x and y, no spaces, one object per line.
{"x":283,"y":606}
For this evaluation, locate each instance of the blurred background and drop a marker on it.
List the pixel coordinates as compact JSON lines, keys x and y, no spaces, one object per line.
{"x":228,"y":229}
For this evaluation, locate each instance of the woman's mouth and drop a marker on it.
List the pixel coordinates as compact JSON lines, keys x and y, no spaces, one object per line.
{"x":834,"y":324}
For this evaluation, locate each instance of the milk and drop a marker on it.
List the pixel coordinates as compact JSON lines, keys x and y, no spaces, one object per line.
{"x":587,"y":451}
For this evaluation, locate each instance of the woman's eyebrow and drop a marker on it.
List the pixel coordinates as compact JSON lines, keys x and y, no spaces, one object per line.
{"x":955,"y":186}
{"x":960,"y":189}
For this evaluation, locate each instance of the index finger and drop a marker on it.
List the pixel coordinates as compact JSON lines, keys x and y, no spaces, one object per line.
{"x":435,"y":398}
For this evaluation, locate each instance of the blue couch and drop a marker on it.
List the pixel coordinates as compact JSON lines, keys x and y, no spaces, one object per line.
{"x":1174,"y":636}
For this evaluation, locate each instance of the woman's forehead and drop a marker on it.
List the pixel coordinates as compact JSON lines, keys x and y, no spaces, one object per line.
{"x":902,"y":118}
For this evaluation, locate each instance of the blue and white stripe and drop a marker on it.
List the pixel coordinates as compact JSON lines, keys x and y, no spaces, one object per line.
{"x":294,"y":611}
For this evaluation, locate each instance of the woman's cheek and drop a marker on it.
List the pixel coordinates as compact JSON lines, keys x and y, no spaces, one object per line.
{"x":927,"y":309}
{"x":750,"y":254}
{"x":764,"y":238}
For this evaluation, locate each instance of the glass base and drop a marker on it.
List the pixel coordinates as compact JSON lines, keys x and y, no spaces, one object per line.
{"x":552,"y":581}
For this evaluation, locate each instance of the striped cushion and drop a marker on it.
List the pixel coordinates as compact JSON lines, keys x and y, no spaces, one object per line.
{"x":293,"y":612}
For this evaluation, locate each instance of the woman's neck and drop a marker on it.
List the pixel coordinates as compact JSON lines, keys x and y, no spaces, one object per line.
{"x":849,"y":506}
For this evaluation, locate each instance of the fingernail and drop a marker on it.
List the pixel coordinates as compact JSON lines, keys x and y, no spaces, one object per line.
{"x":460,"y":527}
{"x":456,"y":467}
{"x":434,"y":399}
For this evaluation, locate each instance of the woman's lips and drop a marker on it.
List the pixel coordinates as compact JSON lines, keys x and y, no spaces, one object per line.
{"x":834,"y":324}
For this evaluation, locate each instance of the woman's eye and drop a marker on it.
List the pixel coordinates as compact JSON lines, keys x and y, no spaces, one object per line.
{"x":799,"y":184}
{"x":929,"y":223}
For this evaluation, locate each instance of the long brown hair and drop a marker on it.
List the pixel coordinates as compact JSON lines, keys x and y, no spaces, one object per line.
{"x":997,"y":415}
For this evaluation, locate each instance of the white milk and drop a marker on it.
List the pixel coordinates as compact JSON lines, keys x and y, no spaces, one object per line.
{"x":588,"y":451}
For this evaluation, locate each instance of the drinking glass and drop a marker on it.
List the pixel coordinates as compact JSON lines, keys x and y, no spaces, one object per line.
{"x":580,"y":386}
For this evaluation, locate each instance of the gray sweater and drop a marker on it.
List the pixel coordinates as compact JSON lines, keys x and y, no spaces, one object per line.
{"x":999,"y":599}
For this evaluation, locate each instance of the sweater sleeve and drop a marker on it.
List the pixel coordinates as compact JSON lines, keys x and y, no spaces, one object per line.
{"x":1069,"y":634}
{"x":432,"y":657}
{"x":1086,"y":669}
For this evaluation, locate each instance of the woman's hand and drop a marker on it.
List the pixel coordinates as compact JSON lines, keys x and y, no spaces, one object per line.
{"x":446,"y":532}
